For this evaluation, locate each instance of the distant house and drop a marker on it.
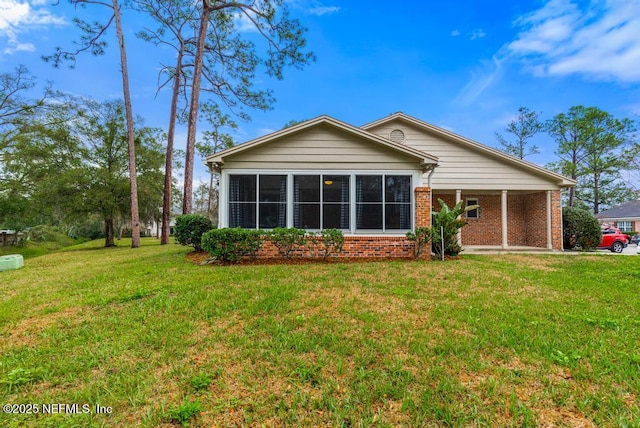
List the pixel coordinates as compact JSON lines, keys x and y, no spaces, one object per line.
{"x":378,"y":181}
{"x":625,"y":217}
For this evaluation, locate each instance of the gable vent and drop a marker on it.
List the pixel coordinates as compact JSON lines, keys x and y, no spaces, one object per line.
{"x":397,"y":136}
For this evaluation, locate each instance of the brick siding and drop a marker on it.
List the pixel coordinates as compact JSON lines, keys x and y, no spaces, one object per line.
{"x":526,"y":219}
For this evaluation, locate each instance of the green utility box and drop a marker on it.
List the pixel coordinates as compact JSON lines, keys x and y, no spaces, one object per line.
{"x":10,"y":262}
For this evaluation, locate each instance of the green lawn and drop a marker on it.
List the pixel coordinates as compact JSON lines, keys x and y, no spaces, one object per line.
{"x":515,"y":340}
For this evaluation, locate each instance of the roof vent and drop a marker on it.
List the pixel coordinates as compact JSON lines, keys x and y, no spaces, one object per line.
{"x":397,"y":136}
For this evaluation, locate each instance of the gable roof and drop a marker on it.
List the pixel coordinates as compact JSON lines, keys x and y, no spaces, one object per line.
{"x":426,"y":160}
{"x":629,"y":209}
{"x":466,"y":142}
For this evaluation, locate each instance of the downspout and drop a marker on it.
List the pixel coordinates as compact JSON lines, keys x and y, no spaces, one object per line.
{"x":431,"y":171}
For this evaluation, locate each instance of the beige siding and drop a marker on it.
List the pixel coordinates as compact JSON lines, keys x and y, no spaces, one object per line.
{"x":322,"y":147}
{"x":462,"y":167}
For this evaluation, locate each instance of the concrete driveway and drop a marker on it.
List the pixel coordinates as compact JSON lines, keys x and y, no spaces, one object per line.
{"x":631,"y":250}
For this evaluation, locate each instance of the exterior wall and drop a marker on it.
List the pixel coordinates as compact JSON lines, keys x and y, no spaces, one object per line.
{"x":526,"y":219}
{"x":321,"y":148}
{"x":462,"y":167}
{"x":375,"y":246}
{"x":358,"y":246}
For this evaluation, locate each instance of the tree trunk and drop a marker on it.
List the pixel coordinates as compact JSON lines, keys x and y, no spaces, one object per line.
{"x":187,"y":201}
{"x":168,"y":168}
{"x":135,"y":218}
{"x":109,"y":233}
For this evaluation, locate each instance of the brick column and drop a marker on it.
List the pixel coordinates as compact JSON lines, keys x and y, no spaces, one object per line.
{"x":423,"y":207}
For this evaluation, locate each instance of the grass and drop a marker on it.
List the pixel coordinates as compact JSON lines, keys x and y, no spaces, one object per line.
{"x":509,"y":340}
{"x":32,"y":249}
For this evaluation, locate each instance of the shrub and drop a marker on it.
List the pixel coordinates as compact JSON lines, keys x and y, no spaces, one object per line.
{"x":228,"y":245}
{"x":190,"y":228}
{"x":581,"y":229}
{"x":286,"y":239}
{"x":421,"y":237}
{"x":332,"y":241}
{"x":446,"y":224}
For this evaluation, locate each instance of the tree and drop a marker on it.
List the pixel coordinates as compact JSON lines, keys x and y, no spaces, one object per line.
{"x":176,"y":16}
{"x":15,"y":107}
{"x":524,"y":127}
{"x":607,"y":156}
{"x":92,"y":40}
{"x":71,"y":163}
{"x":231,"y":62}
{"x":593,"y":148}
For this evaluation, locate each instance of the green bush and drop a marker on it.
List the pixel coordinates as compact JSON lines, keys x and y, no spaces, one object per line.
{"x":228,"y":245}
{"x":190,"y":228}
{"x":446,"y":224}
{"x":332,"y":241}
{"x":581,"y":229}
{"x":287,"y":240}
{"x":421,"y":237}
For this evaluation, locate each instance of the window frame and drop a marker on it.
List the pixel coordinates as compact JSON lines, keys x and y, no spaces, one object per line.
{"x":415,"y":181}
{"x":627,"y":223}
{"x":469,"y":201}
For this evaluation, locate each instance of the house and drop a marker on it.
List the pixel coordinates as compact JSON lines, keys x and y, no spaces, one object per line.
{"x":378,"y":181}
{"x":625,"y":217}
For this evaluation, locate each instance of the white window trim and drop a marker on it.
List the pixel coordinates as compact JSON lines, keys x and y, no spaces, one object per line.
{"x":477,"y":202}
{"x":627,"y":223}
{"x":223,"y":212}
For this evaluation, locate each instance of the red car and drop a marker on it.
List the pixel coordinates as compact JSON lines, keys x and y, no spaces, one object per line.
{"x":613,"y":239}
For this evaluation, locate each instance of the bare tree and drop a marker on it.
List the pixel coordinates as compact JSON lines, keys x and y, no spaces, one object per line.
{"x":92,"y":40}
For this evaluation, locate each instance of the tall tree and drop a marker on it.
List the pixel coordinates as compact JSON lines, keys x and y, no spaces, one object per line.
{"x":607,"y":148}
{"x":524,"y":127}
{"x":593,"y":148}
{"x":92,"y":41}
{"x":231,"y":62}
{"x":570,"y":131}
{"x":177,"y":17}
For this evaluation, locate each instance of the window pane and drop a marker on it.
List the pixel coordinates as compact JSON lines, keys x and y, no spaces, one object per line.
{"x":242,"y":188}
{"x":273,"y":188}
{"x":306,"y":216}
{"x":273,"y":215}
{"x":472,"y":213}
{"x":369,"y":216}
{"x":335,"y":216}
{"x":398,"y":188}
{"x":242,"y":215}
{"x":368,"y":188}
{"x":397,"y":216}
{"x":335,"y":188}
{"x":306,"y":188}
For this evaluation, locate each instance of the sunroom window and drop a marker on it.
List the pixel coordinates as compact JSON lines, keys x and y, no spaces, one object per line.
{"x":321,"y":200}
{"x":260,"y":199}
{"x":383,"y":202}
{"x":351,"y":202}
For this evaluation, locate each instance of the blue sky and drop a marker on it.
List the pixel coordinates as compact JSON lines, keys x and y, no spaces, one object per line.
{"x":466,"y":66}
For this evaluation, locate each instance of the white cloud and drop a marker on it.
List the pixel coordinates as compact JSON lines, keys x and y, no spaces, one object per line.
{"x":476,"y":34}
{"x":455,"y":33}
{"x":324,"y":10}
{"x":600,"y":43}
{"x":481,"y":79}
{"x":17,"y":17}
